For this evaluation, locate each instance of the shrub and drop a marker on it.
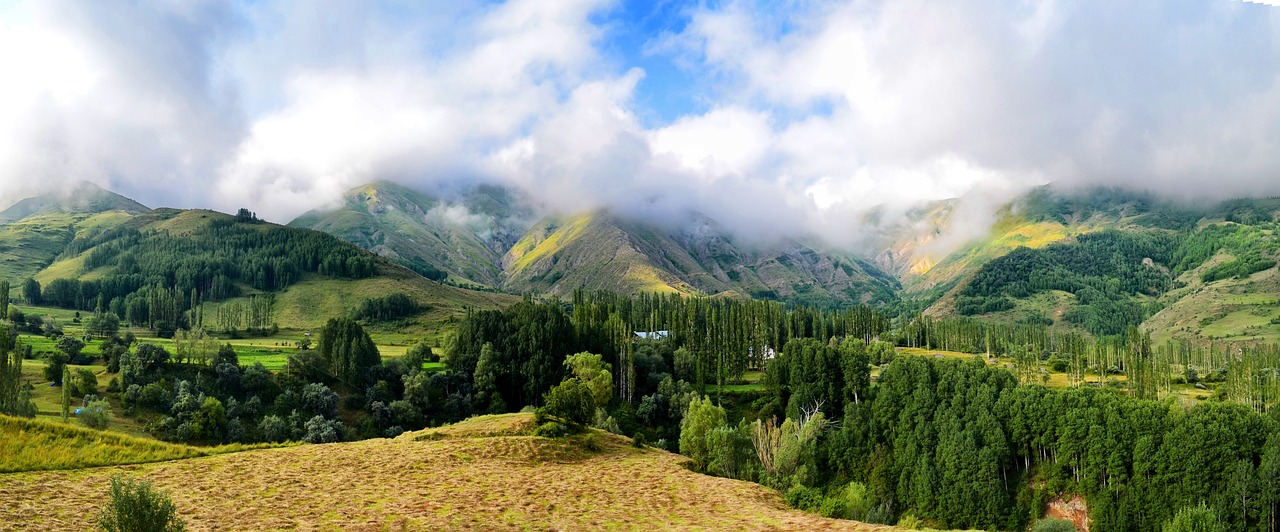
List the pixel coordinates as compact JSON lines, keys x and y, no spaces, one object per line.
{"x":1195,"y":519}
{"x":96,"y":413}
{"x":835,"y":508}
{"x":637,"y":441}
{"x":1053,"y":525}
{"x":135,"y":507}
{"x":804,"y":498}
{"x":910,"y":522}
{"x":86,"y":382}
{"x":551,"y":429}
{"x":591,"y":442}
{"x":321,"y":430}
{"x":859,"y":501}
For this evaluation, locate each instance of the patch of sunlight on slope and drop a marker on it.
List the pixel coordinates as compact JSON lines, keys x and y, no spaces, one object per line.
{"x":529,"y":251}
{"x":39,"y":445}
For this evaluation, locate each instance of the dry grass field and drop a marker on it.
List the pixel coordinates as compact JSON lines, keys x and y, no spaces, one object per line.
{"x":482,"y":474}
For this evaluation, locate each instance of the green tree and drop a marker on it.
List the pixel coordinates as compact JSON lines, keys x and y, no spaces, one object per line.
{"x":31,"y":292}
{"x":488,"y":370}
{"x":55,"y":363}
{"x":702,"y":418}
{"x":66,"y":394}
{"x":417,"y":355}
{"x":134,"y":506}
{"x":4,"y":298}
{"x":348,"y":350}
{"x":1195,"y":519}
{"x":86,"y":383}
{"x":96,"y":413}
{"x":595,"y":373}
{"x":71,"y":346}
{"x":572,"y":401}
{"x":15,"y":395}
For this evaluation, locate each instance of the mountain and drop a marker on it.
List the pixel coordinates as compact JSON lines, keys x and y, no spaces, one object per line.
{"x":84,"y":199}
{"x":1101,"y":260}
{"x":462,"y":239}
{"x":599,"y":250}
{"x":34,"y":231}
{"x":123,"y":258}
{"x":483,"y":237}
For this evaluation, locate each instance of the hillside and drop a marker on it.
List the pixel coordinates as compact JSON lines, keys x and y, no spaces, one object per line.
{"x":484,"y":473}
{"x":34,"y":231}
{"x":1103,"y":260}
{"x":598,"y":250}
{"x":483,"y":236}
{"x":84,"y":199}
{"x":462,"y":239}
{"x":125,"y":259}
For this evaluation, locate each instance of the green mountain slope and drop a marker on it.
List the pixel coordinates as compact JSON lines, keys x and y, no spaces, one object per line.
{"x":34,"y":231}
{"x":84,"y":199}
{"x":1103,"y":260}
{"x":462,"y":240}
{"x":153,"y":268}
{"x":598,"y":250}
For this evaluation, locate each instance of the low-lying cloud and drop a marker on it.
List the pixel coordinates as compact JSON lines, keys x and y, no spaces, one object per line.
{"x":812,"y":114}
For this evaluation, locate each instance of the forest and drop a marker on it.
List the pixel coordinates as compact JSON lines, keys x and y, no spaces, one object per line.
{"x":155,"y":276}
{"x":840,"y":424}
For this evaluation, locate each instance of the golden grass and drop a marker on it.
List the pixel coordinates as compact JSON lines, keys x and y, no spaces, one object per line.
{"x":31,"y":445}
{"x":44,"y":445}
{"x":460,"y":482}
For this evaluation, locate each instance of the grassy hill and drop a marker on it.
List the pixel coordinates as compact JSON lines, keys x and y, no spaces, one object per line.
{"x":311,"y":275}
{"x":484,"y":473}
{"x":463,"y":239}
{"x":1181,"y":271}
{"x":34,"y":231}
{"x":40,"y":445}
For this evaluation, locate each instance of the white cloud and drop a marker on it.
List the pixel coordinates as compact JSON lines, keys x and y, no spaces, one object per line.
{"x":815,"y":112}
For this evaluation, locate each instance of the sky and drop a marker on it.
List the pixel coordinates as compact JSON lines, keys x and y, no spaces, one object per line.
{"x":774,"y":117}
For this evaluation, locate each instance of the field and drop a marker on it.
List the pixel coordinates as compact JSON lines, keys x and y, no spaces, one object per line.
{"x":483,"y":473}
{"x":35,"y":445}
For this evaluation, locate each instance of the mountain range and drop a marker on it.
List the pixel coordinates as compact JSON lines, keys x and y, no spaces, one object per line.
{"x":488,"y":237}
{"x":1094,"y":261}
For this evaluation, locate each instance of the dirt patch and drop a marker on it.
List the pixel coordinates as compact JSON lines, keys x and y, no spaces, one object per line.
{"x":1073,"y":509}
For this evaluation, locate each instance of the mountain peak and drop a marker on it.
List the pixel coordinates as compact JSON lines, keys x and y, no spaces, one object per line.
{"x":83,"y":198}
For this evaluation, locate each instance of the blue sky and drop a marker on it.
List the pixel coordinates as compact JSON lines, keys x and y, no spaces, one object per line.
{"x":782,"y":116}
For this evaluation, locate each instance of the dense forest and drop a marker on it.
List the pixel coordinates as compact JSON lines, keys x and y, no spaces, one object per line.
{"x":154,"y":276}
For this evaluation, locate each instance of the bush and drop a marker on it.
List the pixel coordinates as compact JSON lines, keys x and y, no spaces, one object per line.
{"x":1195,"y":519}
{"x":910,"y":522}
{"x":571,"y":401}
{"x":591,"y":442}
{"x":637,"y":441}
{"x":1053,"y":525}
{"x":96,"y":413}
{"x":551,"y":429}
{"x":835,"y":508}
{"x":136,"y":507}
{"x":86,"y":382}
{"x":859,"y":501}
{"x":804,"y":498}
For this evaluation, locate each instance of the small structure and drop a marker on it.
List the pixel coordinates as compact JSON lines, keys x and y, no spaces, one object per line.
{"x":652,"y":335}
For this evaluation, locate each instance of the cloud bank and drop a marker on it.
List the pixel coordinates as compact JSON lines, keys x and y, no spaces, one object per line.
{"x":806,"y":115}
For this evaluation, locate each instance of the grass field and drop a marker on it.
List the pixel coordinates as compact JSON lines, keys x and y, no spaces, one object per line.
{"x":39,"y":445}
{"x":480,"y":474}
